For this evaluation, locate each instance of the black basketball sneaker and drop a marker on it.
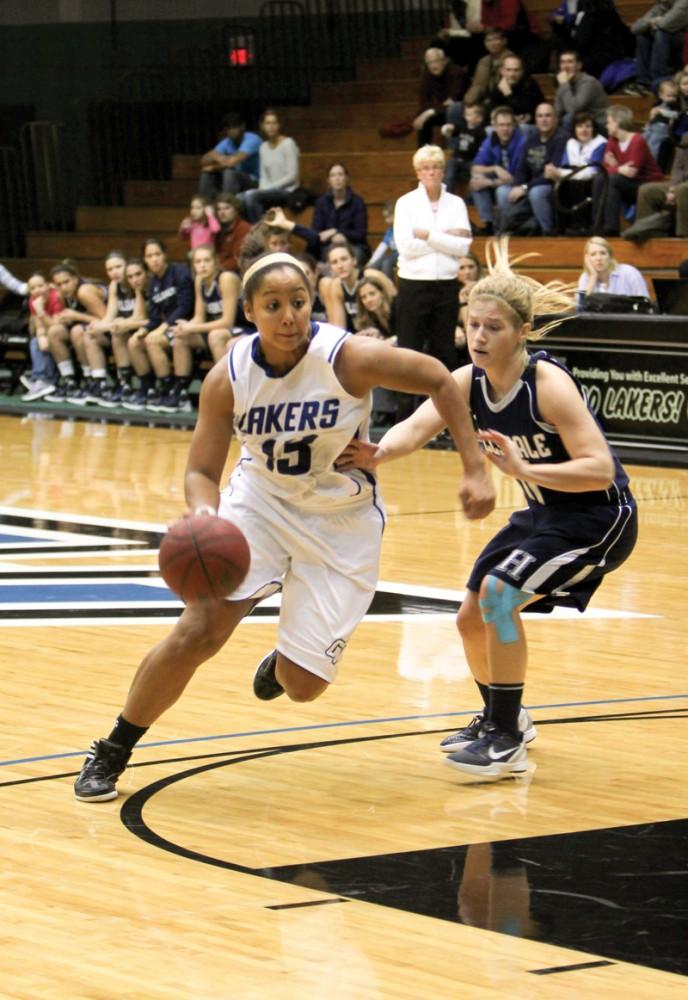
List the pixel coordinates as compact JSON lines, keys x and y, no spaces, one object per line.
{"x":104,"y":763}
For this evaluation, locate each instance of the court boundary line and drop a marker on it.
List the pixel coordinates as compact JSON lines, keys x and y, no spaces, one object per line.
{"x":338,"y":725}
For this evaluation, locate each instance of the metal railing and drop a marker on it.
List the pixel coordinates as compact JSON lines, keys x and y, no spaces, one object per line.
{"x":13,"y":204}
{"x":159,"y":110}
{"x":47,"y":175}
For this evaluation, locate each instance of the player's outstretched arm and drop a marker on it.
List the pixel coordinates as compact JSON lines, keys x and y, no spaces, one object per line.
{"x":210,"y":441}
{"x":367,"y":363}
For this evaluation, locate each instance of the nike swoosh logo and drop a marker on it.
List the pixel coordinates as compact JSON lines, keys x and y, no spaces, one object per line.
{"x":496,"y":754}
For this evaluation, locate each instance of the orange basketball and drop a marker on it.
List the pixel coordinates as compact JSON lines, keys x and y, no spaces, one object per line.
{"x":203,"y":558}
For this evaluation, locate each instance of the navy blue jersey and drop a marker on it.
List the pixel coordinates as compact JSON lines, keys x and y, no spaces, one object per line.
{"x":212,"y":298}
{"x":518,"y":416}
{"x":170,"y":296}
{"x":126,"y":302}
{"x":350,"y":306}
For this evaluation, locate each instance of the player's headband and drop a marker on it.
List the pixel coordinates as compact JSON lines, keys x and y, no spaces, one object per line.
{"x":489,"y":293}
{"x":271,"y":260}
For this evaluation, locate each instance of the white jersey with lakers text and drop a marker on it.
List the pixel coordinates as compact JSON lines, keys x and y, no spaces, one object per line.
{"x":292,"y":427}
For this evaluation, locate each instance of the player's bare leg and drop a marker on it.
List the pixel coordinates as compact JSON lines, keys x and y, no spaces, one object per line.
{"x":165,"y":671}
{"x":498,"y":668}
{"x":277,"y":674}
{"x":167,"y":668}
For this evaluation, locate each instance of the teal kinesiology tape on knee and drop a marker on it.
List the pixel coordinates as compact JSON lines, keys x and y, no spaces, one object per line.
{"x":496,"y":608}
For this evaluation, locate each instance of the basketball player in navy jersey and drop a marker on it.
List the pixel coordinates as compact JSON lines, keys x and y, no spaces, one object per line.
{"x":295,"y":393}
{"x":580,"y":523}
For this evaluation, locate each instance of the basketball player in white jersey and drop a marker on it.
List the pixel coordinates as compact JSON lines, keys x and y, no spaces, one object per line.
{"x":295,"y":393}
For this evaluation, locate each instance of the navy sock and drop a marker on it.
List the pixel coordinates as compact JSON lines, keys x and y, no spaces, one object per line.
{"x":125,"y":734}
{"x":505,"y":704}
{"x":484,"y":693}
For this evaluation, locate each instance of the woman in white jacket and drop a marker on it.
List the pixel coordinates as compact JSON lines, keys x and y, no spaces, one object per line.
{"x":431,"y":231}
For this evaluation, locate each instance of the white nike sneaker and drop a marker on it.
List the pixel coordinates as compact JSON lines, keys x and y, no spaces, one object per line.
{"x":494,"y":754}
{"x":473,"y":730}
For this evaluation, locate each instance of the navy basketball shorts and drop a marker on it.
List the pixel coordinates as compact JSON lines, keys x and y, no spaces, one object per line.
{"x":561,"y":551}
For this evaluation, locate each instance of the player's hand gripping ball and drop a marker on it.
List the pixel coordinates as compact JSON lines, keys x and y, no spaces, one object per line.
{"x":203,"y":558}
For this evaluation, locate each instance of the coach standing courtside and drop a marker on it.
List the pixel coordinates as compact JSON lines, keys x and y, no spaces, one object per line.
{"x":432,"y":231}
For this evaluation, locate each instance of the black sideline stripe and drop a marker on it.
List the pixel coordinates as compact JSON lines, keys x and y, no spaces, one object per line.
{"x":312,"y":902}
{"x":569,"y":968}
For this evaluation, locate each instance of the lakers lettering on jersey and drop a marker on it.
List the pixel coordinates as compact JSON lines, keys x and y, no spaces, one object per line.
{"x":295,"y":416}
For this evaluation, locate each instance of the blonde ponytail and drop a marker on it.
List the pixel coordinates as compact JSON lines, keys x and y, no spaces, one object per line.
{"x":525,"y":297}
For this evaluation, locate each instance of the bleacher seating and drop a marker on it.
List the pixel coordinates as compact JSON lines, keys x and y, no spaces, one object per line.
{"x":341,"y":124}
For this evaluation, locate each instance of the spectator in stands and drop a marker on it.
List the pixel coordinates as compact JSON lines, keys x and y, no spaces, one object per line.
{"x":210,"y":328}
{"x":376,"y":317}
{"x":576,"y":172}
{"x":375,"y":308}
{"x":318,"y":312}
{"x":338,"y":289}
{"x":485,"y":79}
{"x":682,"y":80}
{"x":470,"y":21}
{"x":200,"y":225}
{"x":432,"y":232}
{"x":603,"y":274}
{"x":600,"y":35}
{"x":578,"y":91}
{"x":233,"y":231}
{"x":84,"y":302}
{"x":488,"y":70}
{"x":664,"y":196}
{"x":12,"y":284}
{"x":562,"y":22}
{"x":681,"y":127}
{"x":659,"y":43}
{"x":530,"y":208}
{"x":170,"y":298}
{"x":467,"y":136}
{"x":44,"y":303}
{"x":469,"y":273}
{"x":495,"y":166}
{"x":662,"y":120}
{"x":126,"y":312}
{"x":235,"y":159}
{"x":276,"y":240}
{"x":515,"y":90}
{"x":385,"y":254}
{"x":279,"y":169}
{"x":441,"y":83}
{"x":339,"y":216}
{"x":628,"y":163}
{"x":275,"y":221}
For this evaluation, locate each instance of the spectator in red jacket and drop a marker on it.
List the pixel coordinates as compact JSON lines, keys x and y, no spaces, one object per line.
{"x":233,"y":231}
{"x":628,"y":162}
{"x":442,"y":82}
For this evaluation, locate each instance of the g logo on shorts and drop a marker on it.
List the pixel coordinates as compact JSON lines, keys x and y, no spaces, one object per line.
{"x":335,"y":651}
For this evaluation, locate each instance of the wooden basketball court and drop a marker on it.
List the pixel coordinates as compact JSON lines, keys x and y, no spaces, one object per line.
{"x":325,"y":850}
